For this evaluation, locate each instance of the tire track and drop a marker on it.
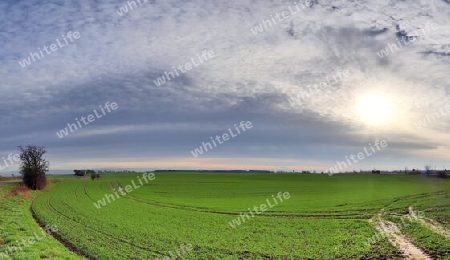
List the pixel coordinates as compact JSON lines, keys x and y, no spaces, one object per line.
{"x":431,"y":224}
{"x":111,"y":237}
{"x":207,"y":210}
{"x":59,"y":238}
{"x":107,"y":235}
{"x":397,"y":239}
{"x":416,"y":196}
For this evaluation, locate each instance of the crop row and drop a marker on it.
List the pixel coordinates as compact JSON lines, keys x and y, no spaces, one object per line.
{"x":138,"y":229}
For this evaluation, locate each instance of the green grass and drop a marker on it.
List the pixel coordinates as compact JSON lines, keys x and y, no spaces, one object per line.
{"x":325,"y":218}
{"x":17,"y":223}
{"x":310,"y":193}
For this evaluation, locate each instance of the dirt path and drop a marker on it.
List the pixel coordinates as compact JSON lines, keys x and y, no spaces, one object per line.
{"x":432,"y":224}
{"x":393,"y":233}
{"x":397,"y":239}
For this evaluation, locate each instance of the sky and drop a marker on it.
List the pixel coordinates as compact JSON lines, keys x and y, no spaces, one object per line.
{"x":259,"y":58}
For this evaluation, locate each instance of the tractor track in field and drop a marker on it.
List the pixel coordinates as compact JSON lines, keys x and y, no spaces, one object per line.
{"x":76,"y":250}
{"x":416,"y":196}
{"x":206,"y":210}
{"x":397,"y":239}
{"x":432,"y":224}
{"x":305,"y":216}
{"x":348,"y":216}
{"x":59,"y":238}
{"x":180,"y":207}
{"x":79,"y":252}
{"x":87,"y":195}
{"x":75,"y":191}
{"x":242,"y":254}
{"x":394,"y":235}
{"x":436,"y":208}
{"x":102,"y":232}
{"x":109,"y":236}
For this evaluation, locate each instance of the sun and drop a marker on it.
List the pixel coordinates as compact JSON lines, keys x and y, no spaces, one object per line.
{"x":374,"y":108}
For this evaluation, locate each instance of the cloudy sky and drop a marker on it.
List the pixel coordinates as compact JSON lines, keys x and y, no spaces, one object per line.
{"x":256,"y":75}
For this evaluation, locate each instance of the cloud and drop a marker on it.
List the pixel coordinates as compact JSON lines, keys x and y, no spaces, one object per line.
{"x":251,"y":78}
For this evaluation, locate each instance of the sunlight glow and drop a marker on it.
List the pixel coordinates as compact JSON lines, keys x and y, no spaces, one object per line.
{"x":374,"y":109}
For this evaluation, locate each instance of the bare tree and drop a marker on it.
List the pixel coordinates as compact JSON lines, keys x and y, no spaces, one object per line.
{"x":443,"y":174}
{"x":427,"y":169}
{"x":33,"y":167}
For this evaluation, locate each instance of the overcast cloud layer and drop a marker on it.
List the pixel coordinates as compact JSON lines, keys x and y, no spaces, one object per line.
{"x":251,"y":78}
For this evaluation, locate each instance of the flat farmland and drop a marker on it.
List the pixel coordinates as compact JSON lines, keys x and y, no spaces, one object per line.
{"x":324,"y":217}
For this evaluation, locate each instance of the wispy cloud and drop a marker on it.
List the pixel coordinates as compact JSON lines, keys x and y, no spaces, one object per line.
{"x":251,"y":77}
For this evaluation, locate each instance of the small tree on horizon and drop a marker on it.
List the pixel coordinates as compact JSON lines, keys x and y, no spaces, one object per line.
{"x":427,"y":169}
{"x":443,"y":174}
{"x":94,"y":175}
{"x":33,"y":166}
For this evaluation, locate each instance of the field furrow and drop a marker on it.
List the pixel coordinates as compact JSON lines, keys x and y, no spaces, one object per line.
{"x":157,"y":218}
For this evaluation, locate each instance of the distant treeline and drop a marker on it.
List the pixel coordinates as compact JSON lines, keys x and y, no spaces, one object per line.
{"x":431,"y":173}
{"x":217,"y":171}
{"x":83,"y":172}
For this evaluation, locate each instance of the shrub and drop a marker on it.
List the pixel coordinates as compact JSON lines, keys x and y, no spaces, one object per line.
{"x":94,"y":175}
{"x":442,"y":174}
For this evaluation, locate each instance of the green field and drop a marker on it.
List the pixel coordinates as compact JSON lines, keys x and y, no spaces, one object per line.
{"x":326,"y":217}
{"x":17,"y":223}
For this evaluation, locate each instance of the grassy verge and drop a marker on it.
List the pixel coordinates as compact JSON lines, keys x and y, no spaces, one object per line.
{"x":20,"y":236}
